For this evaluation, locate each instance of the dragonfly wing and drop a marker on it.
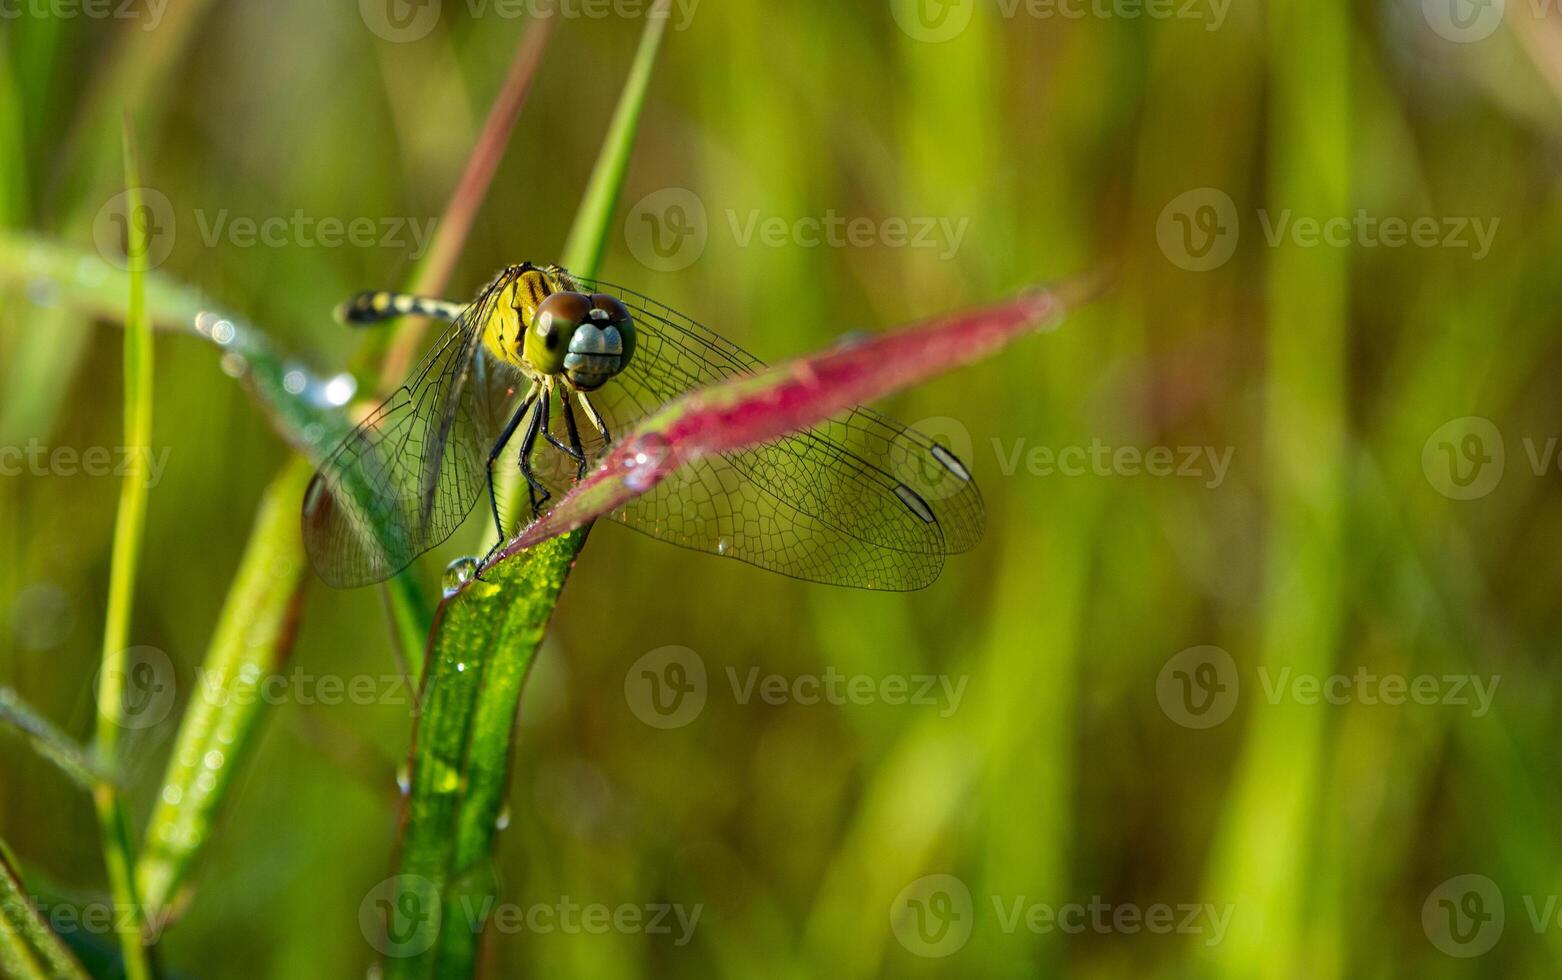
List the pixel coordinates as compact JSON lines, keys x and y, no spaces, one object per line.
{"x":859,"y":500}
{"x":405,"y":479}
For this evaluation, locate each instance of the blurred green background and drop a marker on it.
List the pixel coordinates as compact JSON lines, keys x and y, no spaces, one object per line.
{"x":1384,"y":519}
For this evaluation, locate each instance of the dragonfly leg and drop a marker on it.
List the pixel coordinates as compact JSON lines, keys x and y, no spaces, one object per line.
{"x":573,"y":450}
{"x":538,"y":423}
{"x":575,"y":438}
{"x":595,"y":417}
{"x":493,"y":455}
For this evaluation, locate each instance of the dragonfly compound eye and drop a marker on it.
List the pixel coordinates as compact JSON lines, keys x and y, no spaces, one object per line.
{"x":553,"y":326}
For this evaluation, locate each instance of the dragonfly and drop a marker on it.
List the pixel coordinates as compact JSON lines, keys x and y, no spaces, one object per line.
{"x":859,"y":500}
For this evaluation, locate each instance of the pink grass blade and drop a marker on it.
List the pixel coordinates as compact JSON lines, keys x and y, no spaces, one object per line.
{"x":794,"y":395}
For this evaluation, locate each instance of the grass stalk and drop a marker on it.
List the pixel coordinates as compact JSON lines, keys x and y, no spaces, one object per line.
{"x":129,"y":525}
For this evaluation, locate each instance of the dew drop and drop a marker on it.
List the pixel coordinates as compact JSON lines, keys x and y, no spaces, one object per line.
{"x":234,"y":365}
{"x":43,"y":292}
{"x":295,"y":381}
{"x":502,"y":822}
{"x":340,"y":389}
{"x":404,"y":778}
{"x":458,"y":573}
{"x":91,"y":272}
{"x":223,"y":332}
{"x":448,"y":780}
{"x":723,"y":545}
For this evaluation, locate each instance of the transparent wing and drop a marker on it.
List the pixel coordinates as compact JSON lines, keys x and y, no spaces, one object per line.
{"x":859,"y":501}
{"x":406,"y":478}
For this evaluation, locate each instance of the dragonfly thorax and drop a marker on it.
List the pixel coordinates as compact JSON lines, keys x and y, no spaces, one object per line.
{"x":550,"y":330}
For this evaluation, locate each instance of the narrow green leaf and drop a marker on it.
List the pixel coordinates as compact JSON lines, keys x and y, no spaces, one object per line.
{"x":587,"y":240}
{"x":28,"y":950}
{"x":49,"y":741}
{"x":253,"y":637}
{"x":129,"y":525}
{"x":482,"y":645}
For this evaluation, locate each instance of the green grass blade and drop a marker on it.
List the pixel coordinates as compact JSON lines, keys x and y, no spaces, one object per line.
{"x":587,"y":240}
{"x":28,"y":950}
{"x":49,"y":741}
{"x":483,"y":643}
{"x":483,"y":646}
{"x":129,"y":526}
{"x":253,"y":637}
{"x":1275,"y":795}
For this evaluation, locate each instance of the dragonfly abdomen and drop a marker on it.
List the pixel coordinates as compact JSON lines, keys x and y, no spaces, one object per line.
{"x":376,"y":305}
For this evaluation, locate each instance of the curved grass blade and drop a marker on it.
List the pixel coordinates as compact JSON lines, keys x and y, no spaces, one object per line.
{"x":49,"y":741}
{"x":28,"y":950}
{"x":253,"y":637}
{"x":481,"y":647}
{"x":791,"y":397}
{"x":129,"y":526}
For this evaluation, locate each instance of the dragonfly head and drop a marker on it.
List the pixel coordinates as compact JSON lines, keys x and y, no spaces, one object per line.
{"x":587,"y":338}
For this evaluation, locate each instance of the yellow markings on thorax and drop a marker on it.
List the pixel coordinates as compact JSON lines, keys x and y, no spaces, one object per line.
{"x":515,"y":308}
